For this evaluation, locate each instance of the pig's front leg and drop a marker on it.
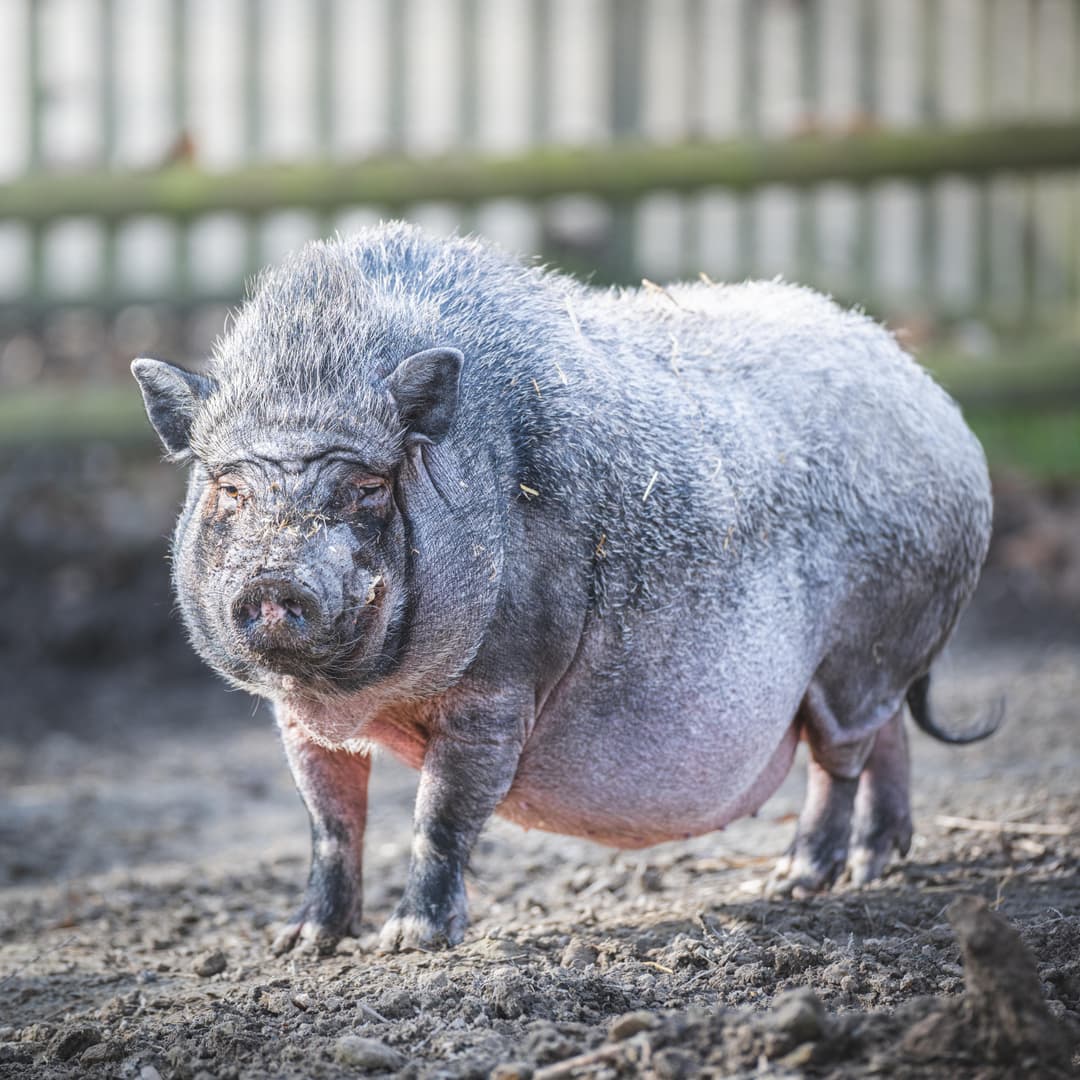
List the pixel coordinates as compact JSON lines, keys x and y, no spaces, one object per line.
{"x":465,"y":775}
{"x":333,"y":785}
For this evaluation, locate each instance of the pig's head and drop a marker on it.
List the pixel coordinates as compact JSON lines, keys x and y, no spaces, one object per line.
{"x":334,"y":536}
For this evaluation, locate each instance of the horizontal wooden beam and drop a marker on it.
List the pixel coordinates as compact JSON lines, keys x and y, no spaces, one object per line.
{"x":617,"y":171}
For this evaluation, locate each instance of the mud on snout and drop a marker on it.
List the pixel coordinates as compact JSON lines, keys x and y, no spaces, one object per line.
{"x":310,"y":610}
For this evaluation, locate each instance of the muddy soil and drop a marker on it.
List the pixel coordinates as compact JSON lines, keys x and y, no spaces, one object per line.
{"x":150,"y":842}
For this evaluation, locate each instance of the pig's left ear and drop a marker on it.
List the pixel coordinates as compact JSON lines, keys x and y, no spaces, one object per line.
{"x":424,"y":387}
{"x":172,"y":396}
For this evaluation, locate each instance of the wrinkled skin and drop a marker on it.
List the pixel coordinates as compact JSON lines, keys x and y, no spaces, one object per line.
{"x":588,"y":561}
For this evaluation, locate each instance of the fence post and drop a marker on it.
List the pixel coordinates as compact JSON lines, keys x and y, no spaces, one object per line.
{"x":107,"y":152}
{"x":810,"y":91}
{"x":866,"y":49}
{"x":253,"y":127}
{"x":626,"y":74}
{"x":984,"y":219}
{"x":693,"y":49}
{"x":323,"y":38}
{"x":750,"y":112}
{"x":397,"y":15}
{"x":469,"y":93}
{"x":35,"y":102}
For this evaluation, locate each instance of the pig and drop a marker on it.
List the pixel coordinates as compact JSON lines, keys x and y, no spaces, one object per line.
{"x":594,"y":560}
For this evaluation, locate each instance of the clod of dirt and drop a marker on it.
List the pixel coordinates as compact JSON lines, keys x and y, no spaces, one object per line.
{"x":578,"y":954}
{"x":512,"y":1070}
{"x":99,"y":1053}
{"x":37,"y":1032}
{"x":363,"y":1053}
{"x":508,"y":992}
{"x":623,"y":1027}
{"x":397,"y":1005}
{"x":799,"y":1015}
{"x":1004,"y":999}
{"x":210,"y":963}
{"x":15,"y":1054}
{"x":673,"y":1064}
{"x":72,"y":1040}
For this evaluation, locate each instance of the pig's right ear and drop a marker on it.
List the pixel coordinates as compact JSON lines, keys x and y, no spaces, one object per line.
{"x":424,"y":387}
{"x":172,"y":396}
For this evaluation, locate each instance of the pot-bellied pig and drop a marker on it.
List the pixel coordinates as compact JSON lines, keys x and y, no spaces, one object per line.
{"x":592,"y":560}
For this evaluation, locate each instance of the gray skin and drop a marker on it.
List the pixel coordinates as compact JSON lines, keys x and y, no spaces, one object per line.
{"x":593,"y":560}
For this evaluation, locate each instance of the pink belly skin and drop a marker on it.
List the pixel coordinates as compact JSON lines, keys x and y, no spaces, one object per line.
{"x":544,"y":810}
{"x":559,"y":807}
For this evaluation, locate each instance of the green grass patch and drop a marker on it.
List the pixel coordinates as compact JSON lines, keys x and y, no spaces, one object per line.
{"x":1041,"y":444}
{"x":1016,"y":370}
{"x":71,"y":414}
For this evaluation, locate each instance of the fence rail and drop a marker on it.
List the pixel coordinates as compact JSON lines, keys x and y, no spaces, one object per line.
{"x":617,"y":171}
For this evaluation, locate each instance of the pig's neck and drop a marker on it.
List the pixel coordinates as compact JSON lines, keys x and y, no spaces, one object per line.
{"x":360,"y":723}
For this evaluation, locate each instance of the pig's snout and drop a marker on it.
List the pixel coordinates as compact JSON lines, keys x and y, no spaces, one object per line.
{"x":276,"y":614}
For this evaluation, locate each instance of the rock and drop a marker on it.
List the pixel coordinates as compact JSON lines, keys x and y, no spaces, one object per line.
{"x":512,"y":1070}
{"x":72,"y":1040}
{"x":365,"y":1053}
{"x":799,"y":1058}
{"x":397,"y":1005}
{"x":798,"y":1014}
{"x":623,"y":1027}
{"x":102,"y":1052}
{"x":494,"y":948}
{"x":15,"y":1054}
{"x":275,"y":1001}
{"x":578,"y":954}
{"x":37,"y":1032}
{"x":650,"y":880}
{"x":148,"y":1072}
{"x":672,"y":1064}
{"x":508,"y":992}
{"x":210,"y":963}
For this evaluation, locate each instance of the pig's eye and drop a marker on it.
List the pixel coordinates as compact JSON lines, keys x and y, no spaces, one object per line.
{"x":230,"y":496}
{"x":362,"y":493}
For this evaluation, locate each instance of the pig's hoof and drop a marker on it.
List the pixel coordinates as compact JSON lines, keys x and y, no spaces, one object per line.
{"x":798,"y":875}
{"x":304,"y":932}
{"x":304,"y":936}
{"x":871,"y":852}
{"x":404,"y":931}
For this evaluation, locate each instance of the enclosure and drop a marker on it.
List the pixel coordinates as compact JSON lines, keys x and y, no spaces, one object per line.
{"x":921,"y":159}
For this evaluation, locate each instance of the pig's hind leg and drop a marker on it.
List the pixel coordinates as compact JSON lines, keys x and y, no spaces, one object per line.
{"x":882,"y":822}
{"x":856,"y":809}
{"x":333,"y":785}
{"x":819,"y":852}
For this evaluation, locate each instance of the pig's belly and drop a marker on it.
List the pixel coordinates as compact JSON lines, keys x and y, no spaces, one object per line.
{"x":642,"y":795}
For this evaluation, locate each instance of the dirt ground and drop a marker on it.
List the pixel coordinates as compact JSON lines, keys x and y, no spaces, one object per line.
{"x":150,"y":841}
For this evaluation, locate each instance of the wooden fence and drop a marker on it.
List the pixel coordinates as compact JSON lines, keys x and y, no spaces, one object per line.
{"x":917,"y":155}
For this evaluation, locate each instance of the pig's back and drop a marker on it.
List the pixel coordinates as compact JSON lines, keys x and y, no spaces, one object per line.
{"x":819,"y":422}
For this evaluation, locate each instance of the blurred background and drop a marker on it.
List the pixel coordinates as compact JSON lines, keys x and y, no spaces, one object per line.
{"x":918,"y":157}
